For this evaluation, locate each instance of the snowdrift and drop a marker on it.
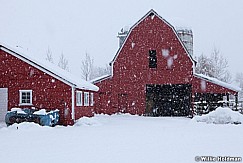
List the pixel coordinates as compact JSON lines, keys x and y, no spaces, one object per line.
{"x":221,"y":116}
{"x":87,"y":121}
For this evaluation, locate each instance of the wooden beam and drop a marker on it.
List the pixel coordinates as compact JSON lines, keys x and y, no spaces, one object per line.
{"x":227,"y":94}
{"x":236,"y":101}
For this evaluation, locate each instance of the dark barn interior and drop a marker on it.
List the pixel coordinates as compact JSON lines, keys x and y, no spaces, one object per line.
{"x":168,"y":100}
{"x":206,"y":102}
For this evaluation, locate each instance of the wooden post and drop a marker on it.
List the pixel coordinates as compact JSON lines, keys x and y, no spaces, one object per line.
{"x":192,"y":105}
{"x":236,"y":101}
{"x":227,"y":94}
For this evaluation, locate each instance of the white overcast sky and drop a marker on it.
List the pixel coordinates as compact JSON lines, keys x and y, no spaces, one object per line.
{"x":75,"y":27}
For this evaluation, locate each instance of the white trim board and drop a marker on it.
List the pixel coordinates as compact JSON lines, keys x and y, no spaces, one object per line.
{"x":3,"y":103}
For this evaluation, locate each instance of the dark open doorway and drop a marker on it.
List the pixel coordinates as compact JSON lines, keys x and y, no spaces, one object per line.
{"x":168,"y":100}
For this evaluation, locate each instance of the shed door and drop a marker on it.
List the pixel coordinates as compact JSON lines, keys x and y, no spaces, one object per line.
{"x":3,"y":103}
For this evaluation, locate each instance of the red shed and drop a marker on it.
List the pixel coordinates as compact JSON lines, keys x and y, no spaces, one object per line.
{"x":27,"y":83}
{"x":153,"y":74}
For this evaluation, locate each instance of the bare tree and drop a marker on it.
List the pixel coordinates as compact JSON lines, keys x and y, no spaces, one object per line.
{"x":100,"y":71}
{"x":107,"y":69}
{"x":89,"y":71}
{"x":87,"y":67}
{"x":204,"y":65}
{"x":220,"y":66}
{"x":49,"y":55}
{"x":239,"y":80}
{"x":214,"y":66}
{"x":63,"y":63}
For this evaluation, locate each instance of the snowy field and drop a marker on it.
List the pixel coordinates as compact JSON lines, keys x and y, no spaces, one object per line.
{"x":120,"y":139}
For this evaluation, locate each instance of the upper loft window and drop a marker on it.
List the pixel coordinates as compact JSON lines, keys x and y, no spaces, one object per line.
{"x":25,"y":97}
{"x":152,"y":59}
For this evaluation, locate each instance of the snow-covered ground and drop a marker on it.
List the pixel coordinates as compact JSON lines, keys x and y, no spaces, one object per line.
{"x":222,"y":115}
{"x":120,"y":139}
{"x":2,"y":124}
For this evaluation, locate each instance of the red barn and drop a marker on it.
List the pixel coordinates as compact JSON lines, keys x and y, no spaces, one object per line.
{"x":26,"y":83}
{"x":153,"y":74}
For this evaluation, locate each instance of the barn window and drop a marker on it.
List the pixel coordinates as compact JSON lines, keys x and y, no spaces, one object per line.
{"x":152,"y":59}
{"x":25,"y":97}
{"x":91,"y":99}
{"x":79,"y":98}
{"x":86,"y":98}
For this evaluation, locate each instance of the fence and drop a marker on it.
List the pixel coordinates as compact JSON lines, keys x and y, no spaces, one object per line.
{"x":204,"y":107}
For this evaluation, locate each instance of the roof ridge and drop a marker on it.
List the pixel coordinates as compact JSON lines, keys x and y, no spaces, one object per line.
{"x":141,"y":19}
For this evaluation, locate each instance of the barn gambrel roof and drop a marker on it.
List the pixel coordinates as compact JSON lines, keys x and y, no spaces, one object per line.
{"x":51,"y":70}
{"x":130,"y":30}
{"x":162,"y":19}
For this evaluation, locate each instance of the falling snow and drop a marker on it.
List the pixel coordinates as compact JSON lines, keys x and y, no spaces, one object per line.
{"x":175,"y":56}
{"x":133,"y":44}
{"x":129,"y":89}
{"x":165,"y":53}
{"x":170,"y":61}
{"x":203,"y":85}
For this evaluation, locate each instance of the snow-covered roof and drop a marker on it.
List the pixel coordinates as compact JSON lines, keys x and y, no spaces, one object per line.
{"x":52,"y":70}
{"x":218,"y":82}
{"x":98,"y":79}
{"x":182,"y":28}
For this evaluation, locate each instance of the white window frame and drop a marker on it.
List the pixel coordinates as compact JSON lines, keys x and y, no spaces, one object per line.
{"x":79,"y":98}
{"x":21,"y":94}
{"x":86,"y":98}
{"x":91,"y":99}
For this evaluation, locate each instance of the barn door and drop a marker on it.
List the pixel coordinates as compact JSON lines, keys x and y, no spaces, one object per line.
{"x":3,"y":103}
{"x":168,"y":100}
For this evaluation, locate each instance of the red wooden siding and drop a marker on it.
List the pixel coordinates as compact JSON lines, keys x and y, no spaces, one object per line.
{"x":203,"y":86}
{"x":81,"y":111}
{"x":125,"y":89}
{"x":17,"y":75}
{"x":48,"y":92}
{"x":131,"y":70}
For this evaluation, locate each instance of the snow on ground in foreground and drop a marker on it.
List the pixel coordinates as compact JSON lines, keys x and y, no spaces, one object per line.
{"x":2,"y":124}
{"x":119,"y":139}
{"x":221,"y":116}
